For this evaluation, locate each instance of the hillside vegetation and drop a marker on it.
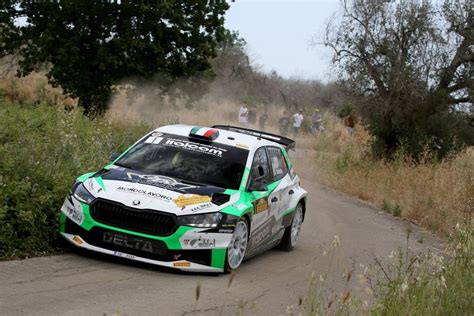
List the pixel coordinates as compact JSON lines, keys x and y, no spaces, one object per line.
{"x":42,"y":150}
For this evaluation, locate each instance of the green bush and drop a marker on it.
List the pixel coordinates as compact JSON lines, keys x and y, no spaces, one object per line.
{"x":344,"y":110}
{"x":392,"y":208}
{"x":343,"y":161}
{"x":42,"y":151}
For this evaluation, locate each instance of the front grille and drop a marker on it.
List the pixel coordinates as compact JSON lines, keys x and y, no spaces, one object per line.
{"x":135,"y":245}
{"x":143,"y":221}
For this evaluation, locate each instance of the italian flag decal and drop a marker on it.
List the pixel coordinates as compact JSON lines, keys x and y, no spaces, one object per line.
{"x":204,"y":132}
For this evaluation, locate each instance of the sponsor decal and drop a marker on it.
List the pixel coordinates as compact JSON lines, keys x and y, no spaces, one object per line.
{"x":151,"y":194}
{"x":159,"y":181}
{"x":153,"y":140}
{"x":200,"y":207}
{"x":126,"y":241}
{"x":157,"y":134}
{"x":78,"y":240}
{"x":91,"y":186}
{"x":199,"y":243}
{"x":226,"y":230}
{"x":182,"y":264}
{"x":74,"y":215}
{"x":241,"y":207}
{"x":176,"y":257}
{"x":228,"y":225}
{"x":191,"y":199}
{"x":262,"y":233}
{"x":123,"y":255}
{"x":202,"y":148}
{"x":242,"y":146}
{"x":260,"y":205}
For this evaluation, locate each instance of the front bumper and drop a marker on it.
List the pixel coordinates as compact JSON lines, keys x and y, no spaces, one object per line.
{"x":178,"y":264}
{"x":188,"y":249}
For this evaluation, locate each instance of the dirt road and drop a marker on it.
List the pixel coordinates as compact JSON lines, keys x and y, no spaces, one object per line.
{"x":265,"y":285}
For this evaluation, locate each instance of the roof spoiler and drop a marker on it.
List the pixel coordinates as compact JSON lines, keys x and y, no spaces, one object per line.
{"x":286,"y":142}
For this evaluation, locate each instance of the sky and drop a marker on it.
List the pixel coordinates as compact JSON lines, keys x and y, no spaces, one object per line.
{"x":279,"y":35}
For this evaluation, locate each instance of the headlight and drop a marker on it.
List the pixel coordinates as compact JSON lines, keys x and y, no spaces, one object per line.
{"x":81,"y":193}
{"x":201,"y":220}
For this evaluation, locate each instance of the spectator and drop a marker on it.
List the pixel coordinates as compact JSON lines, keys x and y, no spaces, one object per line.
{"x":262,"y":121}
{"x":349,"y":122}
{"x":316,"y":122}
{"x":284,"y":123}
{"x":252,"y":117}
{"x":243,"y":114}
{"x":297,"y":121}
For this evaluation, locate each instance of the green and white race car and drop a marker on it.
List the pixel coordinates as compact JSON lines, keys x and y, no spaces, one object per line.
{"x":192,"y":198}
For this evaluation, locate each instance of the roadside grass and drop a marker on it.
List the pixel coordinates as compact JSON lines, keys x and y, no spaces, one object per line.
{"x":42,"y":150}
{"x":432,"y":194}
{"x":429,"y":284}
{"x":405,"y":283}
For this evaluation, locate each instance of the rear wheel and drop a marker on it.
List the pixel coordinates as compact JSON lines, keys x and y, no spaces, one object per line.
{"x":292,"y":232}
{"x":238,"y":246}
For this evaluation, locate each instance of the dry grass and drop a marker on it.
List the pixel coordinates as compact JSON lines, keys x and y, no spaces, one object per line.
{"x":33,"y":88}
{"x":435,"y":195}
{"x":161,"y":111}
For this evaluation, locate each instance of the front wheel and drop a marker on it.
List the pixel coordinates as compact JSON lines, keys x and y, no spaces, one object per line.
{"x":292,"y":232}
{"x":238,"y":246}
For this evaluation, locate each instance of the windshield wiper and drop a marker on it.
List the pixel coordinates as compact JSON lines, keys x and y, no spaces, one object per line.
{"x":184,"y":180}
{"x":124,"y":165}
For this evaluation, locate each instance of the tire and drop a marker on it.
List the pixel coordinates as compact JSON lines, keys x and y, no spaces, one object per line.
{"x":288,"y":242}
{"x":238,"y":246}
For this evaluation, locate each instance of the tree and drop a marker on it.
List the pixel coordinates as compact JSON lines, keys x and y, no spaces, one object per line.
{"x":411,"y":64}
{"x":90,"y":46}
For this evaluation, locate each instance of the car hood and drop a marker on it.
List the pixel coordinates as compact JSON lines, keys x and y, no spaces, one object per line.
{"x":143,"y":191}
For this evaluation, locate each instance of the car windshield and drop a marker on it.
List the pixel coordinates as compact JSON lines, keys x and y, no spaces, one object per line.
{"x":176,"y":156}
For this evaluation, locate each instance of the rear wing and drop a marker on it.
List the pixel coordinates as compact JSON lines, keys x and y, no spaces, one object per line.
{"x":286,"y":142}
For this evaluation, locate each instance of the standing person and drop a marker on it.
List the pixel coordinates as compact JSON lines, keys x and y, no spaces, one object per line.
{"x":349,"y":122}
{"x":316,"y":122}
{"x":243,"y":114}
{"x":284,"y":123}
{"x":252,"y":117}
{"x":262,"y":121}
{"x":297,"y":120}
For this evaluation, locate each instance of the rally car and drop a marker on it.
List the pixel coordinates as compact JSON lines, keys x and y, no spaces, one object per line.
{"x":192,"y":198}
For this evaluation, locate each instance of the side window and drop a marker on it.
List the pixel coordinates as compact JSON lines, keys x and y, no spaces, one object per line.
{"x":259,"y":165}
{"x":278,"y":163}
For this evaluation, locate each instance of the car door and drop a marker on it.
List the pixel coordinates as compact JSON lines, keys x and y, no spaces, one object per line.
{"x":280,"y":186}
{"x":260,"y":179}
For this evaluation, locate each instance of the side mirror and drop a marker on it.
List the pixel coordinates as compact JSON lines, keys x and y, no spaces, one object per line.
{"x":114,"y":156}
{"x":257,"y":184}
